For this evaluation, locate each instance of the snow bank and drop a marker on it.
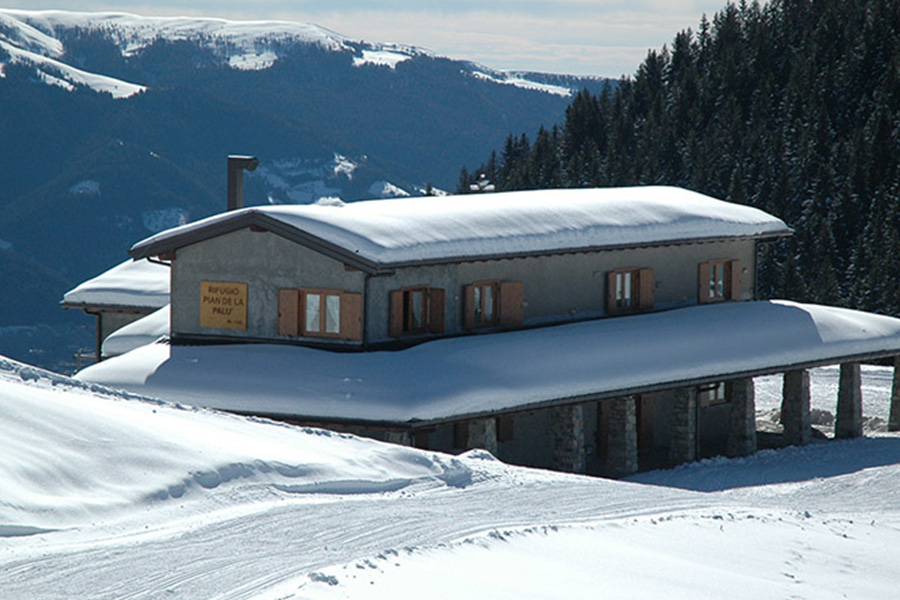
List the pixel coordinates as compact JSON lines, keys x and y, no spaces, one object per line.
{"x":137,"y":333}
{"x":72,"y":453}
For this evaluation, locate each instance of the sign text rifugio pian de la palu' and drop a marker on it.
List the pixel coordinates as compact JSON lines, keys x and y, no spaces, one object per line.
{"x":223,"y":305}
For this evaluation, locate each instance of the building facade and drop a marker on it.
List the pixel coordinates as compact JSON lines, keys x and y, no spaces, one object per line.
{"x":594,"y":331}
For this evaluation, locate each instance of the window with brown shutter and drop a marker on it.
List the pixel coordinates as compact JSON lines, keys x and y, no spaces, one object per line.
{"x":491,"y":303}
{"x":416,"y":310}
{"x":320,"y":313}
{"x":718,"y":280}
{"x":629,"y":290}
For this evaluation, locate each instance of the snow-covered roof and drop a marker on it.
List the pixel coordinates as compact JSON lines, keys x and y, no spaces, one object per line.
{"x":131,"y":284}
{"x":482,"y":374}
{"x":141,"y":332}
{"x":390,"y":233}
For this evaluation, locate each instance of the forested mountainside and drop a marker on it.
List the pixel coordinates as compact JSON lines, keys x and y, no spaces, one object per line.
{"x":792,"y":107}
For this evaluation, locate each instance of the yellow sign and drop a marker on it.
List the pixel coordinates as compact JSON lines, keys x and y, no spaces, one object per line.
{"x":223,"y":305}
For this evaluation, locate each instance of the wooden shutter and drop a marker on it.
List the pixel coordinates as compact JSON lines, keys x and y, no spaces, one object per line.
{"x":289,"y":312}
{"x":646,"y":289}
{"x":351,"y":316}
{"x":469,"y":307}
{"x":703,"y":273}
{"x":734,"y":271}
{"x":396,"y":316}
{"x":610,"y":292}
{"x":435,"y":310}
{"x":512,"y":303}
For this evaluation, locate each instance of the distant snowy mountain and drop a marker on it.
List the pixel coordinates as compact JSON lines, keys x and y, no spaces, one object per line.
{"x":36,"y":39}
{"x":119,"y":125}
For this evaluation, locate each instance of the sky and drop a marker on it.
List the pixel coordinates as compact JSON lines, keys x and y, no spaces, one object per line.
{"x":606,"y":38}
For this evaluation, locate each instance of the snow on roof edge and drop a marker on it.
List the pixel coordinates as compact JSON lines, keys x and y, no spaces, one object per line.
{"x":131,"y":284}
{"x":400,"y":232}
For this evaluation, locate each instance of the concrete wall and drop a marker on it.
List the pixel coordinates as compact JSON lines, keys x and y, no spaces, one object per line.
{"x":266,"y":263}
{"x":556,"y":288}
{"x":565,"y":287}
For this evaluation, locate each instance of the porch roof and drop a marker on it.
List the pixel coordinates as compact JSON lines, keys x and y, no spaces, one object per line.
{"x":456,"y":378}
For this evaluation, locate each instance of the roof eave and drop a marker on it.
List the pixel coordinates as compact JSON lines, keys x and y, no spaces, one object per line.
{"x":583,"y":249}
{"x":252,"y":218}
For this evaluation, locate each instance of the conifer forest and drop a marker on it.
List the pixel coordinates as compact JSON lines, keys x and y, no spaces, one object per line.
{"x":792,"y":107}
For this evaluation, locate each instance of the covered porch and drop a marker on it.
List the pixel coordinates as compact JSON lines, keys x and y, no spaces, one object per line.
{"x":610,"y":396}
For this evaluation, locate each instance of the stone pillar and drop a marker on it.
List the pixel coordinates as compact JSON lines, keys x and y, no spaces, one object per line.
{"x":683,"y":426}
{"x":894,"y":418}
{"x":622,"y":447}
{"x":742,"y":430}
{"x":569,"y":452}
{"x":401,"y":438}
{"x":848,"y":423}
{"x":795,"y":408}
{"x":483,"y":434}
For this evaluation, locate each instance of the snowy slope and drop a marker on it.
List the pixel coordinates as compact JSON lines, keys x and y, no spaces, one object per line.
{"x":106,"y":496}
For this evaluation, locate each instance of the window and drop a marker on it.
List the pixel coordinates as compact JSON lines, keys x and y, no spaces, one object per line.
{"x":417,"y":310}
{"x":716,"y":393}
{"x":719,"y":280}
{"x":492,"y":303}
{"x":484,"y":304}
{"x":629,"y":290}
{"x":320,"y":313}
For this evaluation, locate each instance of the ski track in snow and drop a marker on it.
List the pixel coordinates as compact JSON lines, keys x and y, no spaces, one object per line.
{"x":232,"y":557}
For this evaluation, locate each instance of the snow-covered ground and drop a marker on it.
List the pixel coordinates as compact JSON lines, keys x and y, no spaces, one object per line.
{"x":104,"y":495}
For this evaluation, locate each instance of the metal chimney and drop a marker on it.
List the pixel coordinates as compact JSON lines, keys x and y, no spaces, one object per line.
{"x":236,"y":166}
